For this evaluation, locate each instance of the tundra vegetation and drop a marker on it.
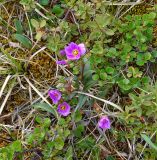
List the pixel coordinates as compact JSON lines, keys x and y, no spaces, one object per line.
{"x":78,"y":80}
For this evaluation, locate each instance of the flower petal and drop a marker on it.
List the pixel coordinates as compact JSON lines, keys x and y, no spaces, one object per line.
{"x":82,"y":48}
{"x":73,"y":45}
{"x":62,"y":62}
{"x":62,"y":52}
{"x":72,"y":57}
{"x":68,"y":50}
{"x":104,"y":123}
{"x":55,"y":95}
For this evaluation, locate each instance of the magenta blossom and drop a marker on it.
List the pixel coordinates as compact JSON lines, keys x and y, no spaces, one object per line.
{"x":63,"y":109}
{"x":74,"y":51}
{"x":62,"y":62}
{"x":62,"y":52}
{"x":104,"y":123}
{"x":55,"y":95}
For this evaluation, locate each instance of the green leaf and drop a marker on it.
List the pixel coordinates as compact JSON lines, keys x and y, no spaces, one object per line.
{"x":87,"y":71}
{"x":126,"y":81}
{"x":124,"y":84}
{"x":102,"y":20}
{"x":39,"y":35}
{"x":148,"y":140}
{"x":97,"y":48}
{"x":98,"y":60}
{"x":109,"y":70}
{"x":35,"y":23}
{"x":95,"y":35}
{"x":95,"y":77}
{"x":154,"y":53}
{"x":112,"y":52}
{"x":134,"y":72}
{"x":47,"y":122}
{"x":152,"y":15}
{"x":147,"y":56}
{"x":110,"y":158}
{"x":66,"y":133}
{"x":140,"y":59}
{"x":78,"y":131}
{"x":128,"y":17}
{"x":69,"y":154}
{"x":16,"y":146}
{"x":42,"y":23}
{"x":59,"y":143}
{"x":57,"y":10}
{"x":61,"y":122}
{"x":81,"y":101}
{"x":87,"y":143}
{"x":103,"y":74}
{"x":23,"y":40}
{"x":18,"y":26}
{"x":44,"y":2}
{"x":109,"y":32}
{"x":77,"y":116}
{"x":127,"y":48}
{"x":46,"y":107}
{"x":38,"y":119}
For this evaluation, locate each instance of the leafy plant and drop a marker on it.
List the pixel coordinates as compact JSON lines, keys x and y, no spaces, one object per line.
{"x":9,"y":152}
{"x":141,"y":115}
{"x":29,"y":4}
{"x":38,"y":25}
{"x":15,"y":65}
{"x":120,"y":64}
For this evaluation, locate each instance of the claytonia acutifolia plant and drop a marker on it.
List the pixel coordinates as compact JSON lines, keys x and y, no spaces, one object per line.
{"x":104,"y":123}
{"x":62,"y":62}
{"x":64,"y":109}
{"x":55,"y":95}
{"x":74,"y":51}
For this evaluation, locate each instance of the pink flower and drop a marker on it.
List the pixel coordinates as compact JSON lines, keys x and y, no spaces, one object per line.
{"x":74,"y":51}
{"x":104,"y":123}
{"x":62,"y":62}
{"x":64,"y":109}
{"x":55,"y":95}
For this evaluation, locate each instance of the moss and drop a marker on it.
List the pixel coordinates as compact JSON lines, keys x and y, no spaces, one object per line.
{"x":141,"y":9}
{"x":42,"y":68}
{"x":155,"y":37}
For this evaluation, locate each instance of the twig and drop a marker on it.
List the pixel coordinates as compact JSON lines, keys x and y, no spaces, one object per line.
{"x":4,"y":85}
{"x":6,"y":98}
